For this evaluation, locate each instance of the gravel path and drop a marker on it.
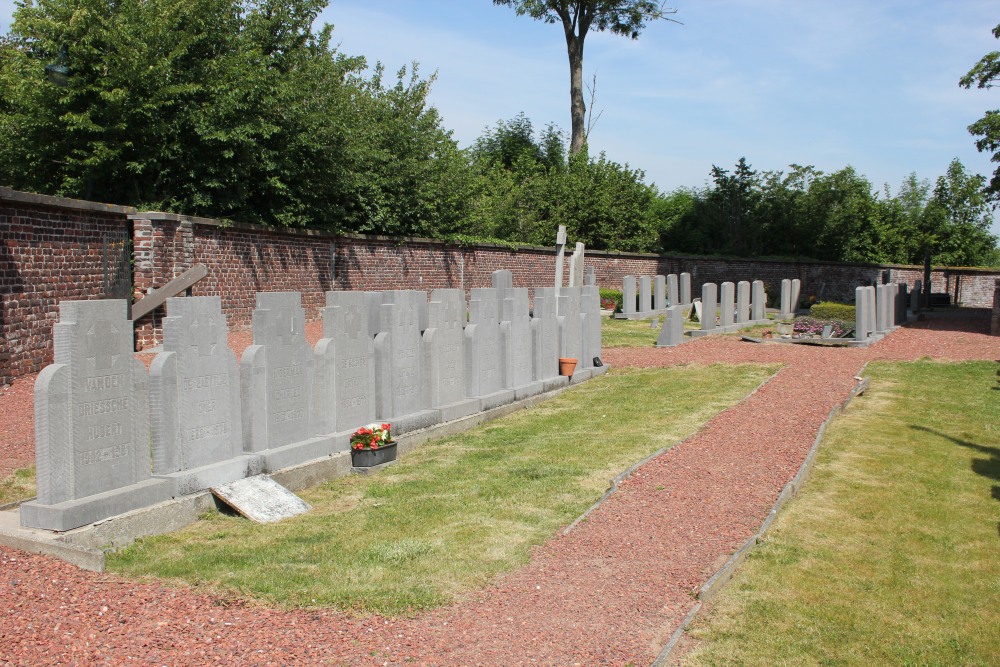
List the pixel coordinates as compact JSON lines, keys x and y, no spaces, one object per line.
{"x":609,"y":593}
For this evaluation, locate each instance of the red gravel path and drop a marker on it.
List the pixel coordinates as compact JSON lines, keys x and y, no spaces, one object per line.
{"x":609,"y":593}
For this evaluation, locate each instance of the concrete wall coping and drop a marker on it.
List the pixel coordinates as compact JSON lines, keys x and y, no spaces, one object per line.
{"x":10,"y":194}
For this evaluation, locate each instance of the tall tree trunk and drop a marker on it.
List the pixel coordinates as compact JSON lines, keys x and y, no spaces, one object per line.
{"x":578,"y":110}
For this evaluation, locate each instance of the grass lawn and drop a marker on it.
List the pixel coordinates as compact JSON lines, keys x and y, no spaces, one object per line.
{"x":632,"y":333}
{"x":456,"y":512}
{"x":891,"y":554}
{"x":19,"y":485}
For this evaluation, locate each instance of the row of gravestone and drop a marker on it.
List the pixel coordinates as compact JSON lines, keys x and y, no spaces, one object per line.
{"x":733,"y":303}
{"x":111,"y":438}
{"x":655,"y":294}
{"x":880,"y":309}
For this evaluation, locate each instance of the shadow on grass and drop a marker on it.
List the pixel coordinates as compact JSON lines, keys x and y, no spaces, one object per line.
{"x":988,"y":467}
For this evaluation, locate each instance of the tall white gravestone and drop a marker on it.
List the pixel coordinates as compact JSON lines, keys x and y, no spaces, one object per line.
{"x":685,"y":289}
{"x":483,"y":355}
{"x":444,"y":355}
{"x":91,"y":422}
{"x":545,"y":337}
{"x":345,"y":359}
{"x":516,"y":341}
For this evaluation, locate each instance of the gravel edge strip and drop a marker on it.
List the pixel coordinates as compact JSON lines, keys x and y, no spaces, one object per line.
{"x":620,"y":477}
{"x":718,"y":580}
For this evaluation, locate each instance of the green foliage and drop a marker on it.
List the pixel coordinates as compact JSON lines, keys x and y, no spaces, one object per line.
{"x":611,"y":296}
{"x":830,"y":310}
{"x":986,"y":74}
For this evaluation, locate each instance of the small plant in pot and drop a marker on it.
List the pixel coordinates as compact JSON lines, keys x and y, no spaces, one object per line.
{"x":372,"y":445}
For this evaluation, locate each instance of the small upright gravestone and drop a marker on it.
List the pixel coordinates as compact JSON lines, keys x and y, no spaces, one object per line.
{"x":590,"y":320}
{"x":709,"y":304}
{"x":862,"y":328}
{"x":571,"y":328}
{"x":645,"y":296}
{"x":659,"y":293}
{"x":786,"y":299}
{"x":196,"y":415}
{"x":672,"y":333}
{"x":758,"y":302}
{"x":545,"y":339}
{"x":483,"y":356}
{"x":345,"y":359}
{"x":628,"y":296}
{"x":727,"y":305}
{"x":796,"y":292}
{"x":515,"y":337}
{"x":91,"y":423}
{"x":672,"y":293}
{"x":685,"y":279}
{"x":743,"y":302}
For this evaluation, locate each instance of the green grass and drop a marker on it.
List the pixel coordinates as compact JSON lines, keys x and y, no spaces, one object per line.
{"x":19,"y":485}
{"x":891,"y":554}
{"x":632,"y":333}
{"x":455,"y":512}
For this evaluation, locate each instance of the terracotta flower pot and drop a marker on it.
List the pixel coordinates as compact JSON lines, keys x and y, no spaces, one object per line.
{"x":566,"y":366}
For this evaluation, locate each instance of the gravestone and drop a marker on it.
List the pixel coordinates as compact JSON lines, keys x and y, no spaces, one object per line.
{"x":444,"y":355}
{"x":902,"y":300}
{"x":794,"y":300}
{"x":709,"y":305}
{"x":483,"y":356}
{"x":261,"y":499}
{"x":195,"y":410}
{"x":400,"y":391}
{"x":685,"y":289}
{"x":576,"y":266}
{"x":861,"y":324}
{"x":345,"y":358}
{"x":654,"y":323}
{"x":590,"y":277}
{"x":560,"y":255}
{"x":659,"y":293}
{"x":672,"y":293}
{"x":516,"y":341}
{"x":727,"y":305}
{"x":672,"y":333}
{"x":786,"y":299}
{"x":645,"y":296}
{"x":872,"y":308}
{"x":277,"y":384}
{"x":743,"y":302}
{"x":918,"y":287}
{"x":758,"y":303}
{"x":628,"y":296}
{"x":91,"y":422}
{"x":545,"y":338}
{"x":881,"y":309}
{"x":571,"y":329}
{"x":590,"y":312}
{"x":502,"y":280}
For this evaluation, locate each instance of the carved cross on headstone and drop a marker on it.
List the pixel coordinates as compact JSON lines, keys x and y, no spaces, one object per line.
{"x":204,"y":335}
{"x":102,"y":341}
{"x":452,"y":314}
{"x":353,"y":322}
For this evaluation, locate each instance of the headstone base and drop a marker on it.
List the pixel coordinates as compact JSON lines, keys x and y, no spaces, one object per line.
{"x":75,"y":513}
{"x":305,"y":450}
{"x":496,"y":399}
{"x":553,"y":383}
{"x":530,"y":389}
{"x":414,"y":421}
{"x":457,"y":410}
{"x":194,"y":480}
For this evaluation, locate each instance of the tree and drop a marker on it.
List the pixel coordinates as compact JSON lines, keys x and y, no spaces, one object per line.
{"x":986,"y":74}
{"x":578,"y":18}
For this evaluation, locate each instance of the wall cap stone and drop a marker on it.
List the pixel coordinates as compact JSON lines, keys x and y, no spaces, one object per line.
{"x":9,"y":194}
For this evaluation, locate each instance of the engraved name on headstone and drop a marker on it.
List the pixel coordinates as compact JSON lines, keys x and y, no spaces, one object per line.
{"x":348,"y":382}
{"x":444,"y":359}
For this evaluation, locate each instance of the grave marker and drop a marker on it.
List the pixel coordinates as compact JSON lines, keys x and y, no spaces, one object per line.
{"x":727,"y":305}
{"x":659,"y":293}
{"x":483,"y":371}
{"x":685,"y":289}
{"x":516,"y":341}
{"x":672,"y":293}
{"x":743,"y":302}
{"x":672,"y":333}
{"x":444,"y":355}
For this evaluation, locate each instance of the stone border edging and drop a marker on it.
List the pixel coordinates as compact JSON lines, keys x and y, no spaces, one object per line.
{"x":718,"y":580}
{"x":617,"y":479}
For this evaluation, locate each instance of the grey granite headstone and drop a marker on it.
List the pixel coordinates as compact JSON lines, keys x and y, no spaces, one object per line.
{"x":861,"y":328}
{"x":659,"y":293}
{"x":654,"y":323}
{"x":571,"y":329}
{"x":872,"y":308}
{"x":758,"y":302}
{"x":673,"y":296}
{"x":91,"y":422}
{"x":444,"y":355}
{"x":560,"y":255}
{"x":685,"y":289}
{"x":727,"y":304}
{"x":672,"y":333}
{"x":743,"y":302}
{"x":709,"y":304}
{"x":645,"y":295}
{"x":400,"y":391}
{"x":881,"y":309}
{"x":590,"y":277}
{"x":502,"y":280}
{"x":590,"y":312}
{"x":796,"y":292}
{"x":545,"y":337}
{"x":628,"y":295}
{"x":786,"y":299}
{"x":196,"y":416}
{"x":346,"y":355}
{"x":483,"y":354}
{"x":277,"y":384}
{"x":915,"y":299}
{"x":516,"y":342}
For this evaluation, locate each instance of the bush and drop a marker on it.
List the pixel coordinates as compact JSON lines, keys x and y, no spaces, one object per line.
{"x":829,"y":310}
{"x":611,"y":299}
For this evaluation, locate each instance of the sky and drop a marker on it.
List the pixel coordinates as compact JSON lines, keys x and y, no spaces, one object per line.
{"x":829,"y":83}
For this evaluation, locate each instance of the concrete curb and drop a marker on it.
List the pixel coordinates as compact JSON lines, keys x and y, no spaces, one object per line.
{"x":718,"y":580}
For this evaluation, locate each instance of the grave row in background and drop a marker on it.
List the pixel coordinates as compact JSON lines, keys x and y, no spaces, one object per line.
{"x":111,"y":438}
{"x":658,"y":293}
{"x":880,"y":309}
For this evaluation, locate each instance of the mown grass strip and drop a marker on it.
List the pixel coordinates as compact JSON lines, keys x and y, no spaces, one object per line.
{"x":456,"y":512}
{"x":19,"y":485}
{"x":891,"y":553}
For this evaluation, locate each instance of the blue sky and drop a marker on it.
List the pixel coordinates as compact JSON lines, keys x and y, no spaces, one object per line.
{"x":867,"y":83}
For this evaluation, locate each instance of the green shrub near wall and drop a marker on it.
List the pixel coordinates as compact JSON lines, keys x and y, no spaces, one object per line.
{"x":608,"y":295}
{"x":830,"y":310}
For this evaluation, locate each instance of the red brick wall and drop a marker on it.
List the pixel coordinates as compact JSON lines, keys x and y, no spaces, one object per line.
{"x":51,"y":249}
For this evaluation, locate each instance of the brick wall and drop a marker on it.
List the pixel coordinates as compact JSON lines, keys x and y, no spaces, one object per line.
{"x":995,"y":321}
{"x":50,"y":250}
